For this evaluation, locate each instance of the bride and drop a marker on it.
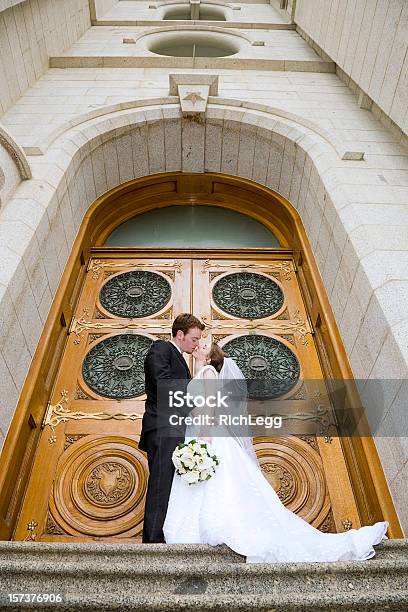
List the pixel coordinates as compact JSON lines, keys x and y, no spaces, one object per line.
{"x":237,"y":506}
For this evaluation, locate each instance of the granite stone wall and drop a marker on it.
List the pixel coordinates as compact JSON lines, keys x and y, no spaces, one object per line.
{"x":368,"y":40}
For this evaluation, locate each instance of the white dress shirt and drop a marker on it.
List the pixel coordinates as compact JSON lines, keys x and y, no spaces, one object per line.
{"x":177,"y":347}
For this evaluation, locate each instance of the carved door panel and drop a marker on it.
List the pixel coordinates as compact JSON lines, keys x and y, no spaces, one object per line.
{"x":89,"y":477}
{"x":255,"y":311}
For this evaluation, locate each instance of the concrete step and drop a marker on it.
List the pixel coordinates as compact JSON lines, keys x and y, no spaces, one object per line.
{"x":301,"y":601}
{"x":198,"y":577}
{"x":136,"y":554}
{"x":144,"y":553}
{"x":214,"y":579}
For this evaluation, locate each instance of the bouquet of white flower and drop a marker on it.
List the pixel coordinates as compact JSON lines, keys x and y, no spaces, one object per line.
{"x":193,"y":462}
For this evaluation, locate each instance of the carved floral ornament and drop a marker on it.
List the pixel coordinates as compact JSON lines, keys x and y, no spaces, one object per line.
{"x":96,"y":266}
{"x":297,"y":325}
{"x":285,"y":267}
{"x":79,"y":326}
{"x":58,"y":413}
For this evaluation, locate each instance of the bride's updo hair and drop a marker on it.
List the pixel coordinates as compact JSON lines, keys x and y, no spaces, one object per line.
{"x":216,"y":356}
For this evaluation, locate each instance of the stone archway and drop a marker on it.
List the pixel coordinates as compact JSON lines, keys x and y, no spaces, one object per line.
{"x":94,"y":157}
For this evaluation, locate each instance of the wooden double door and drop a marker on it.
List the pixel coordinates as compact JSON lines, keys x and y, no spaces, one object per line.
{"x":89,"y":477}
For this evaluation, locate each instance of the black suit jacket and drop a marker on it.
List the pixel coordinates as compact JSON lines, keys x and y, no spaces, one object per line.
{"x":163,"y":364}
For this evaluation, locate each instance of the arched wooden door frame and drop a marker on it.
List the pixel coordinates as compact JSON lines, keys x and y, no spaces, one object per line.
{"x":106,"y":214}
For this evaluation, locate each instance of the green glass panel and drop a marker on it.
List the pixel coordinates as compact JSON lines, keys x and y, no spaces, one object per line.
{"x":192,"y":226}
{"x":135,"y":294}
{"x":248,"y":295}
{"x":270,"y":367}
{"x":115,"y":367}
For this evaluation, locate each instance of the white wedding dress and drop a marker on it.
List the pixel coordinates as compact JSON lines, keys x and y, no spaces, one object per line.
{"x":237,"y":506}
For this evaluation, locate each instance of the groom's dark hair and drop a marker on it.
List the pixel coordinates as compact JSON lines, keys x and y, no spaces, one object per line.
{"x":184,"y":322}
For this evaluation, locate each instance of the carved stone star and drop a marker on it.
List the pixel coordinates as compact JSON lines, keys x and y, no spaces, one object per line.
{"x":194,"y":97}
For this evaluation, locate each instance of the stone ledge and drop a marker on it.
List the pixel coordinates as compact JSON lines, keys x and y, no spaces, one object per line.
{"x":161,"y":61}
{"x":47,"y":551}
{"x":102,"y":576}
{"x":177,"y":22}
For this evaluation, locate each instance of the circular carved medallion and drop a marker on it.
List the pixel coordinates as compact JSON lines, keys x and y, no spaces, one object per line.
{"x":108,"y":483}
{"x":100,"y":487}
{"x":248,"y":295}
{"x":114,"y":367}
{"x":295,"y":471}
{"x":270,"y":367}
{"x":135,"y":294}
{"x":280,"y":478}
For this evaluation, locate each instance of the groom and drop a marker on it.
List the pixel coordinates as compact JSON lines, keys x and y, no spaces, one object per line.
{"x":164,"y":363}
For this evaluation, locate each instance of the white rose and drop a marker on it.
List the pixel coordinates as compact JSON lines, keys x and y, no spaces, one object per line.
{"x":191,"y":477}
{"x":207,"y":462}
{"x":177,"y":462}
{"x":205,"y":473}
{"x":188,"y":462}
